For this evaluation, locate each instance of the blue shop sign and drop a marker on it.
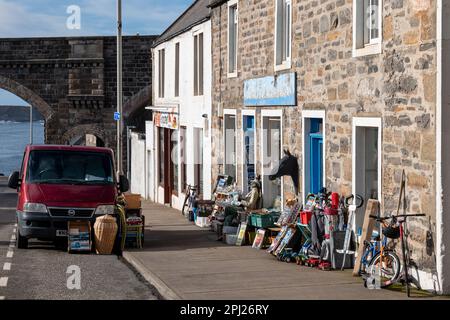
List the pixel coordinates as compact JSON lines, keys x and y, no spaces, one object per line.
{"x":279,"y":90}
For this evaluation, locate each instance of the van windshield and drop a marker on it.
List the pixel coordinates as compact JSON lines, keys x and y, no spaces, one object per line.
{"x":69,"y":167}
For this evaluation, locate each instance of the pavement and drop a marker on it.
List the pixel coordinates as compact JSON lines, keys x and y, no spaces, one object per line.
{"x":40,"y":273}
{"x":183,"y":262}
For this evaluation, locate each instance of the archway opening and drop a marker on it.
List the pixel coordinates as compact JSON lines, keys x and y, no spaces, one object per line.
{"x":88,"y":139}
{"x":17,"y":131}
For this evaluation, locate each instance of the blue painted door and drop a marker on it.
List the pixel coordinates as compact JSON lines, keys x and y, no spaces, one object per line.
{"x":316,"y":162}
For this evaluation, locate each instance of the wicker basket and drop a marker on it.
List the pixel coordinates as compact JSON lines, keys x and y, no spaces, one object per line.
{"x":105,"y":229}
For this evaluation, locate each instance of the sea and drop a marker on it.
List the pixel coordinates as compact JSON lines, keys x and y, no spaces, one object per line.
{"x":14,"y":136}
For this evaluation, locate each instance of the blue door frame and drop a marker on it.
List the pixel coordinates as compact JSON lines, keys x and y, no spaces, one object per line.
{"x":316,"y":156}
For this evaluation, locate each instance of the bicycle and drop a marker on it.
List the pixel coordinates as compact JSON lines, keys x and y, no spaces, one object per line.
{"x":190,"y":194}
{"x":396,"y":230}
{"x":377,"y":256}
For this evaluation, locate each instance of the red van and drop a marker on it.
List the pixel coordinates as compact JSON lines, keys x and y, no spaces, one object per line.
{"x":58,"y":184}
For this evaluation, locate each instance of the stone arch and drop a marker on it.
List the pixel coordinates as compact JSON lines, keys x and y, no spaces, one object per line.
{"x":28,"y":95}
{"x":84,"y":129}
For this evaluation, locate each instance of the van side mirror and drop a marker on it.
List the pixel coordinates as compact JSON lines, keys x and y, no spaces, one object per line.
{"x":124,"y":184}
{"x":14,"y":180}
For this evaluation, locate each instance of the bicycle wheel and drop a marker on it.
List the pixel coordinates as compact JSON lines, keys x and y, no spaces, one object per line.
{"x":390,"y":267}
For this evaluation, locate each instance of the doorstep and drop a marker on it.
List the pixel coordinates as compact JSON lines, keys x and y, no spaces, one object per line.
{"x":185,"y":262}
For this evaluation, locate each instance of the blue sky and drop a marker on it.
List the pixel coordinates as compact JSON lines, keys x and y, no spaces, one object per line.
{"x":47,"y":18}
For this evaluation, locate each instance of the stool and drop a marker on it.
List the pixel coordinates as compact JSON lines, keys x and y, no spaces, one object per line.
{"x":135,"y":231}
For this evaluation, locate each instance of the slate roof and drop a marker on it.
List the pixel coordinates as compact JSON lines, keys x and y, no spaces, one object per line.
{"x":215,"y":3}
{"x":197,"y":13}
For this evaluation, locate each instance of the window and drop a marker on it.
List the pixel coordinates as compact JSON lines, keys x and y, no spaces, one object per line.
{"x":271,"y":155}
{"x":283,"y":34}
{"x":68,"y":167}
{"x":230,"y":145}
{"x":177,"y":69}
{"x":367,"y":27}
{"x":161,"y":74}
{"x":232,"y":37}
{"x":198,"y":64}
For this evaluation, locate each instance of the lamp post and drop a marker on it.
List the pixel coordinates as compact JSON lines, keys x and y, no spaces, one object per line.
{"x":119,"y":86}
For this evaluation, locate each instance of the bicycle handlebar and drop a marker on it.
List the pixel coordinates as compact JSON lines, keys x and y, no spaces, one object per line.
{"x":359,"y":201}
{"x":395,"y":217}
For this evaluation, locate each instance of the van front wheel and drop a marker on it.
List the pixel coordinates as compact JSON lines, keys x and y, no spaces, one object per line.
{"x":21,"y":242}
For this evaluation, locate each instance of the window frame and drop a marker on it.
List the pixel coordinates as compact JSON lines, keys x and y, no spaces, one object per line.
{"x":199,"y":63}
{"x":233,"y":113}
{"x":177,"y":70}
{"x":285,"y":63}
{"x":361,"y":47}
{"x":161,"y":72}
{"x":233,"y":73}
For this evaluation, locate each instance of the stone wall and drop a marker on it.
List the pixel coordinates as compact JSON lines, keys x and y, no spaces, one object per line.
{"x":72,"y":81}
{"x":397,"y":85}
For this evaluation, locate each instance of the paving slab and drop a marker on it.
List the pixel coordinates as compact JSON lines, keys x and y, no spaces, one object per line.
{"x":186,"y":262}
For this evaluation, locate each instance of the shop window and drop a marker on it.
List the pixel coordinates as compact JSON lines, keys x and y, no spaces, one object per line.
{"x":198,"y":64}
{"x":177,"y":69}
{"x":283,"y":33}
{"x":161,"y":72}
{"x":230,"y":145}
{"x":271,"y":157}
{"x":232,"y":37}
{"x":367,"y":27}
{"x":183,"y":159}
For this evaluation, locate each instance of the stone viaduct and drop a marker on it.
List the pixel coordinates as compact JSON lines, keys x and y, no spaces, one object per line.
{"x":72,"y":82}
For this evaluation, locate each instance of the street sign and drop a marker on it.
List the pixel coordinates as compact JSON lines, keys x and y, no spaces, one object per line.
{"x":116,"y":116}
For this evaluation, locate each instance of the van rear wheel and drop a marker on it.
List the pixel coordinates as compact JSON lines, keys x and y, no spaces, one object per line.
{"x":21,"y":242}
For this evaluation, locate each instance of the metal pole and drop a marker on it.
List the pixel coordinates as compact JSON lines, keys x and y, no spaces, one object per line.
{"x":31,"y":124}
{"x":119,"y":86}
{"x":128,"y":153}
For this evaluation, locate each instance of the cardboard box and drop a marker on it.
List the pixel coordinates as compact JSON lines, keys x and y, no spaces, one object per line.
{"x":133,"y":201}
{"x":79,"y":236}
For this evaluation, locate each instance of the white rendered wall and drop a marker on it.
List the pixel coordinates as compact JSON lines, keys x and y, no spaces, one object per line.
{"x":137,"y":165}
{"x":191,"y":108}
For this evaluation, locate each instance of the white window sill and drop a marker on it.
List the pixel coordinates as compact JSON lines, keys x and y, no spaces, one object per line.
{"x":286,"y":65}
{"x":367,"y":50}
{"x":232,"y":75}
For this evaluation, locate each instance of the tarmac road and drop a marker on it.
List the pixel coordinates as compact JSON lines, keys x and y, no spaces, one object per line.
{"x":40,"y":273}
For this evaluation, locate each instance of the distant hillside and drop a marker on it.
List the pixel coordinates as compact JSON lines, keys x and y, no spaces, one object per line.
{"x":18,"y":114}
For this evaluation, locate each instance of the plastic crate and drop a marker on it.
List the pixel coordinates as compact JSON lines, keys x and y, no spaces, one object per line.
{"x":261,"y":221}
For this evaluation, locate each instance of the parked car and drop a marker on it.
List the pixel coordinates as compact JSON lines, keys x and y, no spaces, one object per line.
{"x":58,"y":184}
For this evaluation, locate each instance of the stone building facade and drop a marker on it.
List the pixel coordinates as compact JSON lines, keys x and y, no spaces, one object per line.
{"x":72,"y":82}
{"x":392,"y":89}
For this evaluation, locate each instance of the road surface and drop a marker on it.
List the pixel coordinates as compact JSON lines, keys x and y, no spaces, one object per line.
{"x":41,"y":271}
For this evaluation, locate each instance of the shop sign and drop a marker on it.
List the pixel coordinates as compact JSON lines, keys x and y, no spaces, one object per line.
{"x":166,"y":120}
{"x":279,"y":90}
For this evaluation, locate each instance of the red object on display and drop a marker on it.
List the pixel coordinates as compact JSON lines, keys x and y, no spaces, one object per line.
{"x":335,"y":200}
{"x":331,"y":211}
{"x":305,"y":217}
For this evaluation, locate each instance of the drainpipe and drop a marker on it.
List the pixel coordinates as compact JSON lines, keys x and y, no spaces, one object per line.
{"x":442,"y":238}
